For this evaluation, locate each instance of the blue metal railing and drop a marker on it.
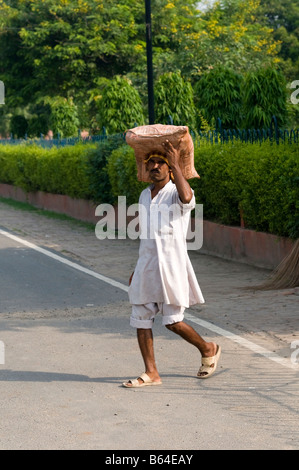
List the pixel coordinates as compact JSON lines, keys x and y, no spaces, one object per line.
{"x":57,"y":141}
{"x":272,"y":133}
{"x":215,"y":136}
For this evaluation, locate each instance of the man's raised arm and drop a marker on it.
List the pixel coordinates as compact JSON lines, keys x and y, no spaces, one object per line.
{"x":183,"y":187}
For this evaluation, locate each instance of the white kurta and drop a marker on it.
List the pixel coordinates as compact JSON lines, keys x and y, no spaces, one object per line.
{"x":164,"y":272}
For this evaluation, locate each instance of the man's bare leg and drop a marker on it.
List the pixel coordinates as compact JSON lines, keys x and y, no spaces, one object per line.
{"x":207,"y":349}
{"x":146,"y":345}
{"x":188,"y":333}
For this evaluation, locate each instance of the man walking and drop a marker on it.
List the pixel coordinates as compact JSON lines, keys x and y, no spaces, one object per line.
{"x":164,"y":280}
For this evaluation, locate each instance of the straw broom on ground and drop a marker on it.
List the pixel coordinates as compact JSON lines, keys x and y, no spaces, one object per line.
{"x":286,"y":275}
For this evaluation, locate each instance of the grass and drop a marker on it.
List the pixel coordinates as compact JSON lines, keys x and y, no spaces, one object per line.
{"x":24,"y":206}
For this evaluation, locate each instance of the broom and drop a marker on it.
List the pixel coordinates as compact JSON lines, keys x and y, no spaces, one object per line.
{"x":286,"y":275}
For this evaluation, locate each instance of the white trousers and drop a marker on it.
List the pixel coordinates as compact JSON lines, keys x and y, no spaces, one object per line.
{"x":143,"y":316}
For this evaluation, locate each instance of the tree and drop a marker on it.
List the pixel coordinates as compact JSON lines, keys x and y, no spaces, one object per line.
{"x":264,"y":96}
{"x":228,"y":33}
{"x":174,"y":98}
{"x":39,"y":116}
{"x":61,"y":48}
{"x":283,"y":18}
{"x":63,"y":118}
{"x":120,"y":106}
{"x":18,"y":126}
{"x":57,"y":48}
{"x":218,"y":95}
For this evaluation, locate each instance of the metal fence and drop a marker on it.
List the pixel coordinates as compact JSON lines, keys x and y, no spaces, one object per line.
{"x":217,"y":136}
{"x":272,"y":134}
{"x":56,"y":142}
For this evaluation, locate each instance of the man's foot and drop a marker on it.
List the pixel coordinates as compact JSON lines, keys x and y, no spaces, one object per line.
{"x":143,"y":380}
{"x":210,"y":350}
{"x":209,"y":361}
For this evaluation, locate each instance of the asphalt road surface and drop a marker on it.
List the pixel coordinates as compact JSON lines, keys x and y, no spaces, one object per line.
{"x":68,"y":348}
{"x":31,"y":281}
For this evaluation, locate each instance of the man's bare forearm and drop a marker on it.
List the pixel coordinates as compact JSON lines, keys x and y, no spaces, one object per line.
{"x":181,"y":183}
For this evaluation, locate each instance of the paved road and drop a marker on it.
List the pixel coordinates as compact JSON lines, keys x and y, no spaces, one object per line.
{"x":31,"y":281}
{"x":68,"y":347}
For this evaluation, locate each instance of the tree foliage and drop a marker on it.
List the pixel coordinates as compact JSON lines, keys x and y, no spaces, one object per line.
{"x":63,"y":116}
{"x":120,"y":106}
{"x":228,"y":34}
{"x":264,"y":96}
{"x":283,"y":18}
{"x":69,"y":48}
{"x":218,"y":95}
{"x":174,"y":98}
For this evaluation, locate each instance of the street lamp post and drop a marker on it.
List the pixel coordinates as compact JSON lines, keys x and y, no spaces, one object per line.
{"x":150,"y":82}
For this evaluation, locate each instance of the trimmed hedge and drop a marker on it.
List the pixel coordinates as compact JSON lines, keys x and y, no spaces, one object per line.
{"x":97,"y":169}
{"x":56,"y":170}
{"x":122,"y":173}
{"x":258,"y":182}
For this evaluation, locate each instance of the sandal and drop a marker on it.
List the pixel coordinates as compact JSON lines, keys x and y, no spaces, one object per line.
{"x":209,"y":365}
{"x":146,"y":381}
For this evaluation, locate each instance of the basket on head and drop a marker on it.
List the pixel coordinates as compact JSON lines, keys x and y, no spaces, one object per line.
{"x":150,"y":139}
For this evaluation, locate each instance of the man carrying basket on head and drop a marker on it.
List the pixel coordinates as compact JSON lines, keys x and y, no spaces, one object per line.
{"x":164,"y":280}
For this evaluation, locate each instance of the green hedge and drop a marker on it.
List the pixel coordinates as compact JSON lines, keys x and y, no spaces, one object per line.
{"x":122,"y":173}
{"x":258,"y":181}
{"x":56,"y":170}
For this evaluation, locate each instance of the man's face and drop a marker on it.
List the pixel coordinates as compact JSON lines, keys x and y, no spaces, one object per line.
{"x":158,"y":169}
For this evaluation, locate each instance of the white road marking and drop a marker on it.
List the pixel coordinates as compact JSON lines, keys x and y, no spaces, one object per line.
{"x":210,"y":326}
{"x":65,"y":261}
{"x":243,"y":342}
